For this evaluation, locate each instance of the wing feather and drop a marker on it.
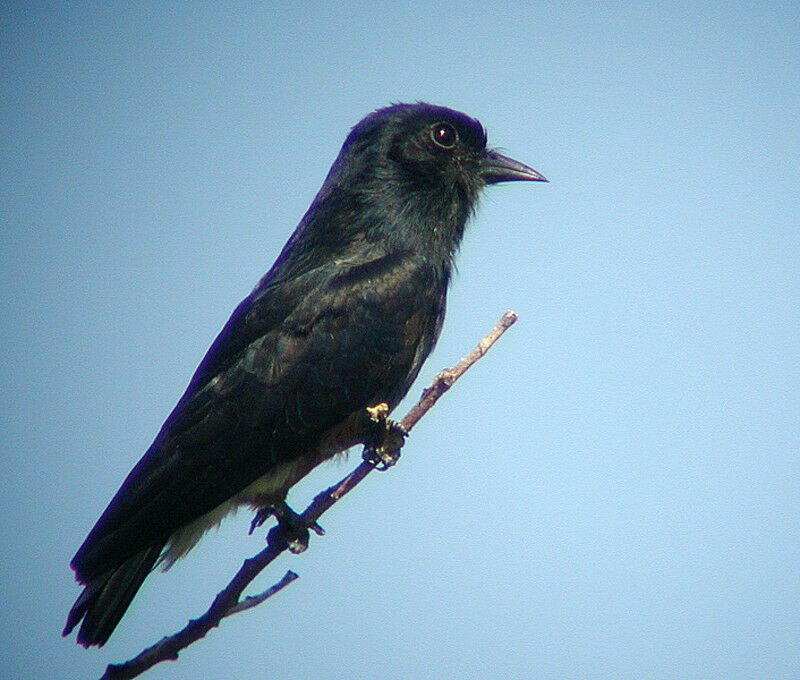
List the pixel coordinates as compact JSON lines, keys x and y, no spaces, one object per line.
{"x":294,"y":361}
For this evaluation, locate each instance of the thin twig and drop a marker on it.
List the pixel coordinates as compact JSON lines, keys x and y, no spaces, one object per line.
{"x":444,"y":379}
{"x":254,"y":600}
{"x":227,"y":601}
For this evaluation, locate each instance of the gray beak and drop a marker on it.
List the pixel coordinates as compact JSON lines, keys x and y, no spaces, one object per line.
{"x":498,"y":168}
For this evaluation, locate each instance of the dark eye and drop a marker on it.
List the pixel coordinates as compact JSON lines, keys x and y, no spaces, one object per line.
{"x":444,"y":135}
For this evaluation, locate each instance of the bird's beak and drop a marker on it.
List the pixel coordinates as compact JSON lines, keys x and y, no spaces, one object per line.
{"x":498,"y":168}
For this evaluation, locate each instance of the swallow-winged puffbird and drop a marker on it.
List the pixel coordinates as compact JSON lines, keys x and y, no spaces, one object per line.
{"x":342,"y":321}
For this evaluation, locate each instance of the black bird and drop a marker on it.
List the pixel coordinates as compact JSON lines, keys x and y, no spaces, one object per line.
{"x":343,"y":320}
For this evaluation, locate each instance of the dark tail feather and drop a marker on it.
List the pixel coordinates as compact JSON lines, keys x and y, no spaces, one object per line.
{"x":105,"y":599}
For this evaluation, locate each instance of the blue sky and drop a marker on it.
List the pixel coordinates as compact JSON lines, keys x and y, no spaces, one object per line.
{"x":612,"y":493}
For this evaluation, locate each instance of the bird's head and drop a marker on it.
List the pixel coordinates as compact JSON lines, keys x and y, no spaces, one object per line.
{"x":430,"y":148}
{"x":407,"y":174}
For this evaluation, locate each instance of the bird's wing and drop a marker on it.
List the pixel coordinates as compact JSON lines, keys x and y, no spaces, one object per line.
{"x":292,"y":363}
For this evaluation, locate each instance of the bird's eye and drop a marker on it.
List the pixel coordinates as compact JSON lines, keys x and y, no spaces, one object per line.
{"x":444,"y":135}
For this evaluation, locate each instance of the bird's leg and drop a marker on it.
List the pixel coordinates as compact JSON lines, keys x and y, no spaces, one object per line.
{"x":384,"y":438}
{"x":291,"y":530}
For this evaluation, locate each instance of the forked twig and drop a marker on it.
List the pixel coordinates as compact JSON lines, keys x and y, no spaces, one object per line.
{"x":228,"y":601}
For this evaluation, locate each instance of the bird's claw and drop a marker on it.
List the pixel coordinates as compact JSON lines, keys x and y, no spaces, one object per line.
{"x":291,"y":530}
{"x":381,"y":460}
{"x":260,"y":517}
{"x":383,"y":448}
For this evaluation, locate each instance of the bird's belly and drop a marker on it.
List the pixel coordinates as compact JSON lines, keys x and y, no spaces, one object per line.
{"x":264,"y":491}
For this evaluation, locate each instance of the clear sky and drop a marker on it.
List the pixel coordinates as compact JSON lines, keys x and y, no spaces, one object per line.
{"x":613,"y":492}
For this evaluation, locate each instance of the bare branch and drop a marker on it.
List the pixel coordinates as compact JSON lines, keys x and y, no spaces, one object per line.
{"x":444,"y":379}
{"x":227,"y":601}
{"x":255,"y":600}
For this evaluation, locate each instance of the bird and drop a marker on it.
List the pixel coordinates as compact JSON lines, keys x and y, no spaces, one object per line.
{"x":341,"y":322}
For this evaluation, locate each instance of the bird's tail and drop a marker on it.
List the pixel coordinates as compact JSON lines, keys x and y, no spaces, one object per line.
{"x":105,"y":599}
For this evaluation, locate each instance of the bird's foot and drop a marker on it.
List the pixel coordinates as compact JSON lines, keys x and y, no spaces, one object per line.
{"x":291,"y":530}
{"x":386,"y":438}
